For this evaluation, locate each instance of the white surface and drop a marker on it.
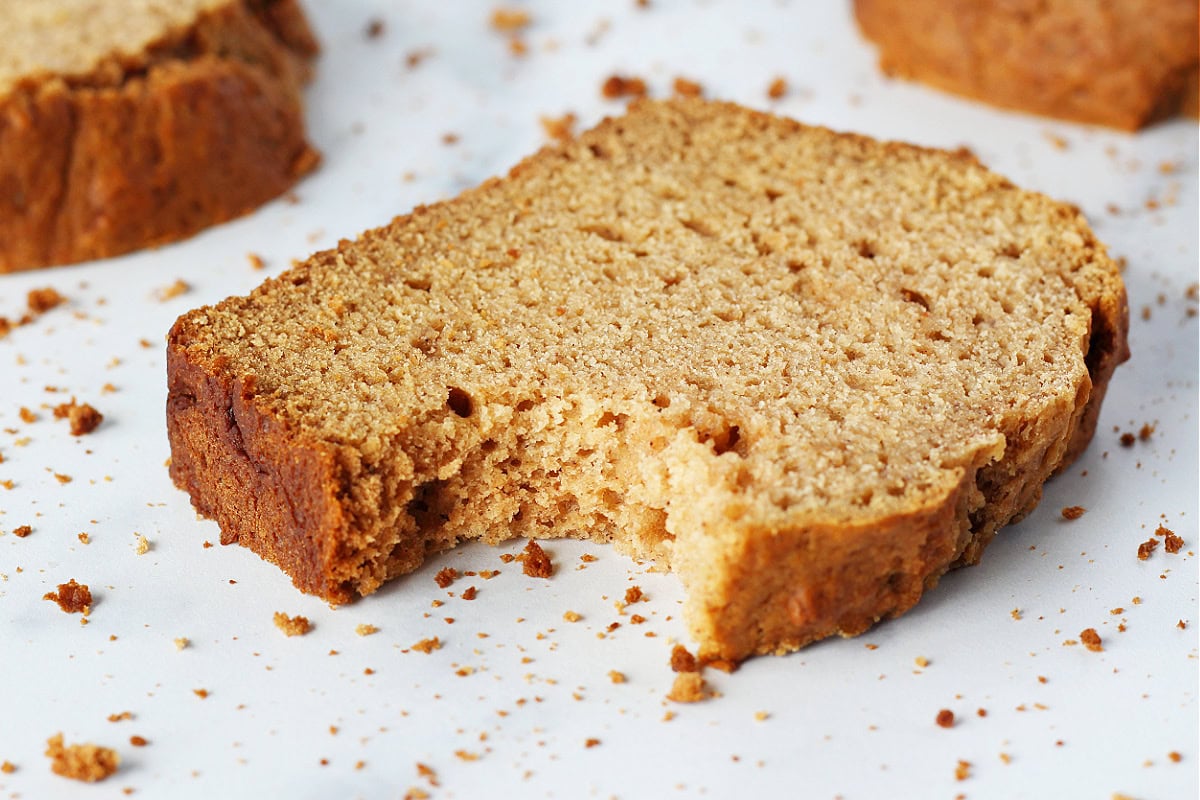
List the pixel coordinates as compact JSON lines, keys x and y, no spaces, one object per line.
{"x":844,"y":719}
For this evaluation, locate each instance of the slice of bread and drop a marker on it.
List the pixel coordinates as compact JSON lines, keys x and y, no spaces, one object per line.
{"x":132,"y":124}
{"x":807,"y":371}
{"x":1121,"y":63}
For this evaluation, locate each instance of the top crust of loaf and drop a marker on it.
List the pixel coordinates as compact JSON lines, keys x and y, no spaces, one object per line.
{"x":807,"y":370}
{"x":72,"y":39}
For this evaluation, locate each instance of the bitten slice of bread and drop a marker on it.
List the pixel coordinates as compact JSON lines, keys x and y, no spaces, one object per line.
{"x":807,"y":371}
{"x":1121,"y":63}
{"x":135,"y":123}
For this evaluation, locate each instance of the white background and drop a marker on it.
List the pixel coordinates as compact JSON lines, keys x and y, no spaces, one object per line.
{"x":846,"y":718}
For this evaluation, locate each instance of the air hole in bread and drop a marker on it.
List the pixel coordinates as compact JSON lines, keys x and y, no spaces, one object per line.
{"x":724,"y":440}
{"x":421,"y":283}
{"x":459,"y":402}
{"x":603,"y":231}
{"x":698,"y":226}
{"x":1009,"y":250}
{"x":913,"y":296}
{"x":865,"y":249}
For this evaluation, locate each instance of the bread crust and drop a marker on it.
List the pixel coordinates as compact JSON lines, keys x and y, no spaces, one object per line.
{"x":752,"y":587}
{"x":1123,"y":64}
{"x":205,"y":127}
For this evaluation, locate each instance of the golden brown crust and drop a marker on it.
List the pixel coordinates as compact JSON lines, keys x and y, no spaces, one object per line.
{"x":123,"y":158}
{"x":1123,"y":64}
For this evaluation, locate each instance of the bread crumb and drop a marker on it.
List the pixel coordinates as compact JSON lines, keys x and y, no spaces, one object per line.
{"x":81,"y":762}
{"x":143,"y":545}
{"x":688,"y":687}
{"x":761,"y":716}
{"x":1146,"y":548}
{"x":534,"y":561}
{"x":124,"y":715}
{"x":375,"y":28}
{"x":84,"y":537}
{"x":1073,"y":512}
{"x":61,"y":478}
{"x":510,"y":20}
{"x":616,"y":676}
{"x":572,"y":616}
{"x":292,"y":626}
{"x":591,"y":742}
{"x":72,"y":597}
{"x":21,"y":531}
{"x":777,"y":88}
{"x":921,"y":661}
{"x":256,"y":261}
{"x":1171,"y":543}
{"x":82,"y":417}
{"x":466,"y":755}
{"x":42,"y":300}
{"x":176,"y":289}
{"x":561,"y":129}
{"x":687,"y":88}
{"x":181,"y":642}
{"x":138,"y":741}
{"x":428,"y":645}
{"x":962,"y":770}
{"x":27,"y":416}
{"x":7,"y":767}
{"x":1127,"y":439}
{"x":1091,"y":640}
{"x":1181,"y":625}
{"x":201,"y":693}
{"x":633,"y":595}
{"x":617,"y":86}
{"x":945,"y":718}
{"x":365,"y":629}
{"x":445,"y":577}
{"x":682,"y":661}
{"x":1175,"y":756}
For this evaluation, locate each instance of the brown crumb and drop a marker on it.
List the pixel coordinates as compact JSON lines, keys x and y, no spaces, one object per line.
{"x":591,"y":742}
{"x":686,"y":88}
{"x":201,"y":693}
{"x":561,"y":129}
{"x":61,"y":478}
{"x":124,"y":715}
{"x":1175,"y":756}
{"x":572,"y":616}
{"x":1147,"y":430}
{"x":1146,"y":548}
{"x":470,"y":593}
{"x":256,"y":261}
{"x":982,"y":712}
{"x":445,"y":577}
{"x":682,"y":661}
{"x":174,"y":290}
{"x":292,"y":626}
{"x":375,"y":28}
{"x":21,"y":531}
{"x":82,"y":417}
{"x":42,"y":300}
{"x":633,"y":595}
{"x":365,"y":629}
{"x":1171,"y":543}
{"x":1073,"y":512}
{"x":181,"y":642}
{"x":1091,"y":640}
{"x":534,"y":561}
{"x":615,"y":676}
{"x":81,"y":762}
{"x":1181,"y":625}
{"x":138,"y":741}
{"x":72,"y":597}
{"x":8,"y":768}
{"x":428,"y":645}
{"x":962,"y":770}
{"x":945,"y":718}
{"x":689,"y":687}
{"x":84,"y":537}
{"x":510,"y":20}
{"x":1127,"y":439}
{"x":27,"y":416}
{"x":617,"y":86}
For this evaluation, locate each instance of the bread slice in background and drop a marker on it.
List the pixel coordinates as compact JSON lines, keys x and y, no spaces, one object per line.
{"x":1123,"y":63}
{"x":807,"y":371}
{"x":130,"y":124}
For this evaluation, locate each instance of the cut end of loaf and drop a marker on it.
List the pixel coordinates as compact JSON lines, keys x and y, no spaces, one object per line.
{"x":807,"y":371}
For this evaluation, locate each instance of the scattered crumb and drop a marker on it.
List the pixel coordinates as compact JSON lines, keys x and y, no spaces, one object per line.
{"x":617,"y":86}
{"x":535,"y":562}
{"x":1127,"y":439}
{"x":256,"y":261}
{"x":21,"y":531}
{"x":777,"y":88}
{"x":292,"y":626}
{"x":633,"y":595}
{"x":962,"y":770}
{"x":1174,"y":756}
{"x":1015,"y":613}
{"x":572,"y":616}
{"x":510,"y":20}
{"x":590,"y":743}
{"x":143,"y":545}
{"x":1146,"y":431}
{"x":688,"y":687}
{"x":945,"y":718}
{"x":181,"y":642}
{"x":176,"y":289}
{"x":27,"y":416}
{"x":445,"y":577}
{"x":84,"y":537}
{"x":1181,"y":625}
{"x":470,"y":593}
{"x":682,"y":661}
{"x":687,"y":88}
{"x":428,"y":645}
{"x":466,"y":755}
{"x":921,"y":661}
{"x":201,"y":693}
{"x":72,"y":597}
{"x":1091,"y":640}
{"x":138,"y":741}
{"x":8,"y":768}
{"x":561,"y":129}
{"x":615,"y":676}
{"x":82,"y":417}
{"x":1171,"y":543}
{"x":761,"y":716}
{"x":124,"y":715}
{"x":81,"y":762}
{"x":1073,"y":512}
{"x":61,"y":478}
{"x":365,"y":629}
{"x":42,"y":300}
{"x":375,"y":28}
{"x":1146,"y":548}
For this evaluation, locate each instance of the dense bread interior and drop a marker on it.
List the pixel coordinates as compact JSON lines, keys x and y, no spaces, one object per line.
{"x":692,"y":323}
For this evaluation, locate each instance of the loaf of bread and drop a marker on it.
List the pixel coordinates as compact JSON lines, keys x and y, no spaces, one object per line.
{"x":132,"y":123}
{"x":1121,"y":63}
{"x":807,"y":371}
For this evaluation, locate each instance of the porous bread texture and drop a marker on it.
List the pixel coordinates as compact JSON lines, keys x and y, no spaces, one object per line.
{"x":1121,"y":63}
{"x":131,"y":124}
{"x":807,"y":371}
